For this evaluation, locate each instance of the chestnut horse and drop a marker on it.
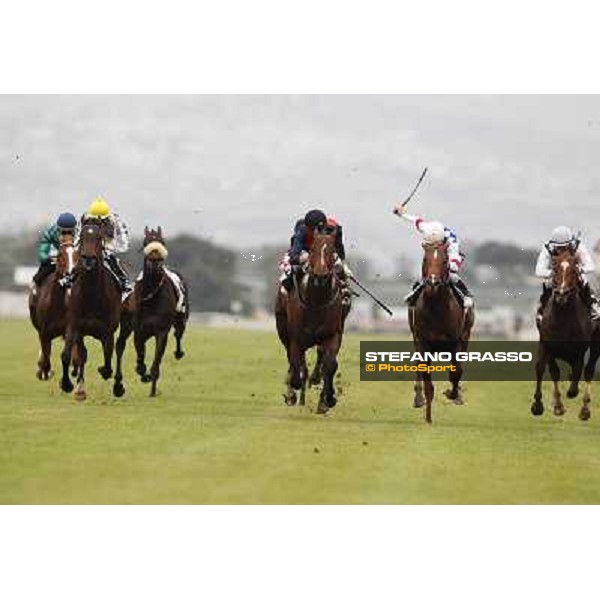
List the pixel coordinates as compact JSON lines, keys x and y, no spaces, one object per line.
{"x":152,"y":311}
{"x":94,"y":309}
{"x":313,"y":315}
{"x":48,"y":304}
{"x":566,"y":332}
{"x":438,"y":324}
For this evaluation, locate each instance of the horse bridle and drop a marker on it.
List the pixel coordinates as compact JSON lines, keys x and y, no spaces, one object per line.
{"x":446,"y":274}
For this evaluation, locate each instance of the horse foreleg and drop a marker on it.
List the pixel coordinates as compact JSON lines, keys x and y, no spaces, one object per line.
{"x":327,"y":398}
{"x":419,"y":397}
{"x":159,"y":351}
{"x":295,"y":358}
{"x":537,"y":407}
{"x":304,"y":376}
{"x":80,"y":394}
{"x":43,"y":372}
{"x":108,"y":347}
{"x":124,"y":333}
{"x":557,"y":405}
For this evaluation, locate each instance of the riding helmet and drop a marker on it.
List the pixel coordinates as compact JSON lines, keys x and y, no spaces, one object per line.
{"x":314,"y":218}
{"x":99,"y":208}
{"x":66,"y":221}
{"x":561,"y":236}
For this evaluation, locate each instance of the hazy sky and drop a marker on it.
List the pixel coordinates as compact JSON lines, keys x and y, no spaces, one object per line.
{"x":241,"y":169}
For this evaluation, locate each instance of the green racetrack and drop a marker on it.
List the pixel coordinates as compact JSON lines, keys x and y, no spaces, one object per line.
{"x":220,"y":433}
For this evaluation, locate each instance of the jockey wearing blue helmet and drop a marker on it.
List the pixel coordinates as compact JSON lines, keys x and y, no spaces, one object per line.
{"x":50,"y":242}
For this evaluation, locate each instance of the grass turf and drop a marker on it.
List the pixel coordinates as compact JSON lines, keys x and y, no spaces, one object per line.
{"x":220,"y":433}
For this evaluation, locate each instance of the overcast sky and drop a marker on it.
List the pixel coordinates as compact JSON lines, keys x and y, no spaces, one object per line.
{"x":241,"y":169}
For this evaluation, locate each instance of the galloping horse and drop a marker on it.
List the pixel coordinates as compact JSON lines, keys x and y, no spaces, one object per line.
{"x":313,"y":315}
{"x":566,"y":332}
{"x":153,"y":311}
{"x":94,"y":309}
{"x":48,"y":305}
{"x":438,"y":324}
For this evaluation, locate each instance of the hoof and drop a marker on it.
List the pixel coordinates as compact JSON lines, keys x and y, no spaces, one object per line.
{"x":179,"y":355}
{"x":572,"y":393}
{"x":66,"y":386}
{"x":118,"y":390}
{"x":314,"y":381}
{"x":322,"y":408}
{"x":141,"y":370}
{"x":332,"y":401}
{"x":290,"y":398}
{"x":80,"y":395}
{"x":145,"y":378}
{"x":584,"y":413}
{"x":418,"y":402}
{"x":105,"y":373}
{"x":558,"y":410}
{"x":537,"y":409}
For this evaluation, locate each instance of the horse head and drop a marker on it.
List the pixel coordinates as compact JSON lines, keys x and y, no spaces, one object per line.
{"x":565,"y":275}
{"x":436,"y":267}
{"x":322,"y":257}
{"x":155,"y":250}
{"x":67,"y":255}
{"x":91,"y":244}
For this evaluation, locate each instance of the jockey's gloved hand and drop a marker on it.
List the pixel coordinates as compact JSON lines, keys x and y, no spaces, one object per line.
{"x":348,"y":271}
{"x":400,"y":210}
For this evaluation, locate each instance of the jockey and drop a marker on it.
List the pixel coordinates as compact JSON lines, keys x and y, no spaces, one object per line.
{"x":116,"y":240}
{"x":49,"y":244}
{"x":432,"y":232}
{"x":562,"y":238}
{"x":159,"y":248}
{"x":301,"y":242}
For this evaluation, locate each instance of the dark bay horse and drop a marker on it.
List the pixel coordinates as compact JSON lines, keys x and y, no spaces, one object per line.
{"x":48,"y":305}
{"x":566,"y":332}
{"x":438,"y":324}
{"x":313,"y":315}
{"x":94,"y":310}
{"x":152,"y":311}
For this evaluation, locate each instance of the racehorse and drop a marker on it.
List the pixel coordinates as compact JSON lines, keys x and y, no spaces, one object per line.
{"x":94,"y":310}
{"x":313,"y":315}
{"x":48,"y":305}
{"x":438,"y":324}
{"x":152,"y":311}
{"x":566,"y":332}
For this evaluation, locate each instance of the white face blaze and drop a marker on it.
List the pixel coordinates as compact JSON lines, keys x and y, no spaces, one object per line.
{"x":564,"y":265}
{"x":70,"y":251}
{"x":323,"y":253}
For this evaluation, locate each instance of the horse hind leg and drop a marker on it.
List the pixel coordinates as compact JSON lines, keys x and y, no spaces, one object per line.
{"x":429,"y":391}
{"x":108,"y":347}
{"x":454,"y":393}
{"x":558,"y":407}
{"x":590,"y":367}
{"x":290,"y":394}
{"x":575,"y":377}
{"x":179,"y":329}
{"x":537,"y":406}
{"x":317,"y":375}
{"x":327,"y":399}
{"x":304,"y":376}
{"x":419,"y":399}
{"x":80,"y":393}
{"x":161,"y":346}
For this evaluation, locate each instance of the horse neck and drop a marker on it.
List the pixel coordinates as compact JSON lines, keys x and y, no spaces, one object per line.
{"x":563,"y":317}
{"x":152,"y":280}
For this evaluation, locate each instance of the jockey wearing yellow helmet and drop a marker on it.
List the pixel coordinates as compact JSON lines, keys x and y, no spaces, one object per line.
{"x":116,"y":239}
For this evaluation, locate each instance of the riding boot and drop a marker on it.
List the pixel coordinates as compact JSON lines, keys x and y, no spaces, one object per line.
{"x":412,"y":297}
{"x":591,"y":301}
{"x":45,"y":269}
{"x":120,"y":274}
{"x":461,"y":291}
{"x":546,"y":292}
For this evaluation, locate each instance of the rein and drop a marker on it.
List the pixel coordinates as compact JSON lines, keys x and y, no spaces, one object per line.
{"x":156,"y":290}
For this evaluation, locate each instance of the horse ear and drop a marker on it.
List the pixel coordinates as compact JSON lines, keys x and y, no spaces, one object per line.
{"x":145,"y":229}
{"x":159,"y":231}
